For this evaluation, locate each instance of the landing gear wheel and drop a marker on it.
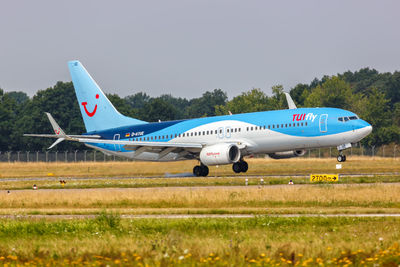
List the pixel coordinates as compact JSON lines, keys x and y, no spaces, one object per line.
{"x":240,"y":166}
{"x":341,"y":158}
{"x":236,"y":167}
{"x":244,"y":166}
{"x":197,"y":171}
{"x":201,"y":170}
{"x":204,"y":170}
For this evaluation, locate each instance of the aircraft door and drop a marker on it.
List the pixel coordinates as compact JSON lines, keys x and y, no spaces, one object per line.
{"x":221,"y":132}
{"x":228,"y":131}
{"x":323,"y":123}
{"x":116,"y":138}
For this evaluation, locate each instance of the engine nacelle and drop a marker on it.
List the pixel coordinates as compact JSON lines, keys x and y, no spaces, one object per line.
{"x":287,"y":154}
{"x":220,"y":154}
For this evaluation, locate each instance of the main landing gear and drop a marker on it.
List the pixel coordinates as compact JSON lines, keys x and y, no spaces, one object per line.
{"x":201,"y":170}
{"x":240,"y":166}
{"x":341,"y":157}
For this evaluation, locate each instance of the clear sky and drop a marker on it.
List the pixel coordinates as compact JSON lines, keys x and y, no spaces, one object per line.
{"x":186,"y":47}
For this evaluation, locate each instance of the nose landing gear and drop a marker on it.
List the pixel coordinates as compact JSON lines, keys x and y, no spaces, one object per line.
{"x":201,"y":170}
{"x":341,"y":158}
{"x":240,"y":166}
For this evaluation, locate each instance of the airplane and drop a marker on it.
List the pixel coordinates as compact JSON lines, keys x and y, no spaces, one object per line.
{"x":217,"y":140}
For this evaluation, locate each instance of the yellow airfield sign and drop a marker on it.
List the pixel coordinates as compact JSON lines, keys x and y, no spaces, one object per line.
{"x":324,"y":177}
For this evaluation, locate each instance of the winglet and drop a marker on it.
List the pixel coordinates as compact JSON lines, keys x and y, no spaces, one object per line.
{"x":290,"y":102}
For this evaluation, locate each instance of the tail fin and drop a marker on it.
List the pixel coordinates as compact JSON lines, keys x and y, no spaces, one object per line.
{"x":97,"y":111}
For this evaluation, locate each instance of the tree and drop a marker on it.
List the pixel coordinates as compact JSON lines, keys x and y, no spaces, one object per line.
{"x":278,"y":99}
{"x":19,"y":97}
{"x":158,"y":109}
{"x":299,"y":93}
{"x":137,"y":100}
{"x":334,"y":92}
{"x":206,"y":105}
{"x":8,"y":112}
{"x":251,"y":101}
{"x":377,"y":114}
{"x":60,"y":101}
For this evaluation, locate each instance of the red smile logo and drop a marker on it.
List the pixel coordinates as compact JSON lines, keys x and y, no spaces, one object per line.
{"x":90,"y":114}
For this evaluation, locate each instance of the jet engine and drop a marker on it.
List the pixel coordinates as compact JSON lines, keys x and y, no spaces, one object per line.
{"x":220,"y":154}
{"x":287,"y":154}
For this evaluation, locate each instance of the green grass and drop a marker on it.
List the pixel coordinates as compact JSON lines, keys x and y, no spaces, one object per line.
{"x":236,"y":242}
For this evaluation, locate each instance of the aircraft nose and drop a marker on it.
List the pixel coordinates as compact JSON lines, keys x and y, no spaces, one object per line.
{"x":367,"y":129}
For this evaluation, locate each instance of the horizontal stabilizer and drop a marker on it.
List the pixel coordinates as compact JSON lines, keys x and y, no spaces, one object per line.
{"x":68,"y":137}
{"x":59,"y":140}
{"x":60,"y":134}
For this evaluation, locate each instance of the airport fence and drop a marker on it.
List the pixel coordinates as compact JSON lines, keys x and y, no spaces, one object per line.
{"x":93,"y":155}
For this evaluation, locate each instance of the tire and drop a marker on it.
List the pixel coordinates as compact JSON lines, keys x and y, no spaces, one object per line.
{"x":344,"y":158}
{"x":340,"y":158}
{"x":204,"y":171}
{"x":236,"y":167}
{"x":197,"y":171}
{"x":244,"y":166}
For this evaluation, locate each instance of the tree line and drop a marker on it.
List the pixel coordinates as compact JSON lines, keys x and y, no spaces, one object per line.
{"x":374,"y":96}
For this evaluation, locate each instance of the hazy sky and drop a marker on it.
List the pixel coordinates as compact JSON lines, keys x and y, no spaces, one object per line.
{"x":188,"y":47}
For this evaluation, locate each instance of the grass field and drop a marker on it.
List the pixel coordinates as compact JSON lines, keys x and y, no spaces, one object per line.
{"x":295,"y":166}
{"x":281,"y":199}
{"x":108,"y":240}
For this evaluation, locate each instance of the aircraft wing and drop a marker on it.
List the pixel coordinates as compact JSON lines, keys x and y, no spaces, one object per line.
{"x":182,"y":149}
{"x":132,"y":145}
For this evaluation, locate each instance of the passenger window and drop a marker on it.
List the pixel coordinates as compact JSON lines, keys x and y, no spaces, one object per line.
{"x":277,"y":126}
{"x":247,"y":128}
{"x":298,"y":124}
{"x":273,"y":126}
{"x":269,"y":126}
{"x":285,"y":125}
{"x":306,"y":123}
{"x":251,"y":128}
{"x":301,"y":124}
{"x":204,"y":133}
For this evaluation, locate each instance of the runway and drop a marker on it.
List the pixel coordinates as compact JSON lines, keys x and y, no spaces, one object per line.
{"x":199,"y":216}
{"x":188,"y":176}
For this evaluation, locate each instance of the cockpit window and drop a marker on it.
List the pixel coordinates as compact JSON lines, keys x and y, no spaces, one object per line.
{"x":346,"y":118}
{"x":340,"y":119}
{"x":353,"y":118}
